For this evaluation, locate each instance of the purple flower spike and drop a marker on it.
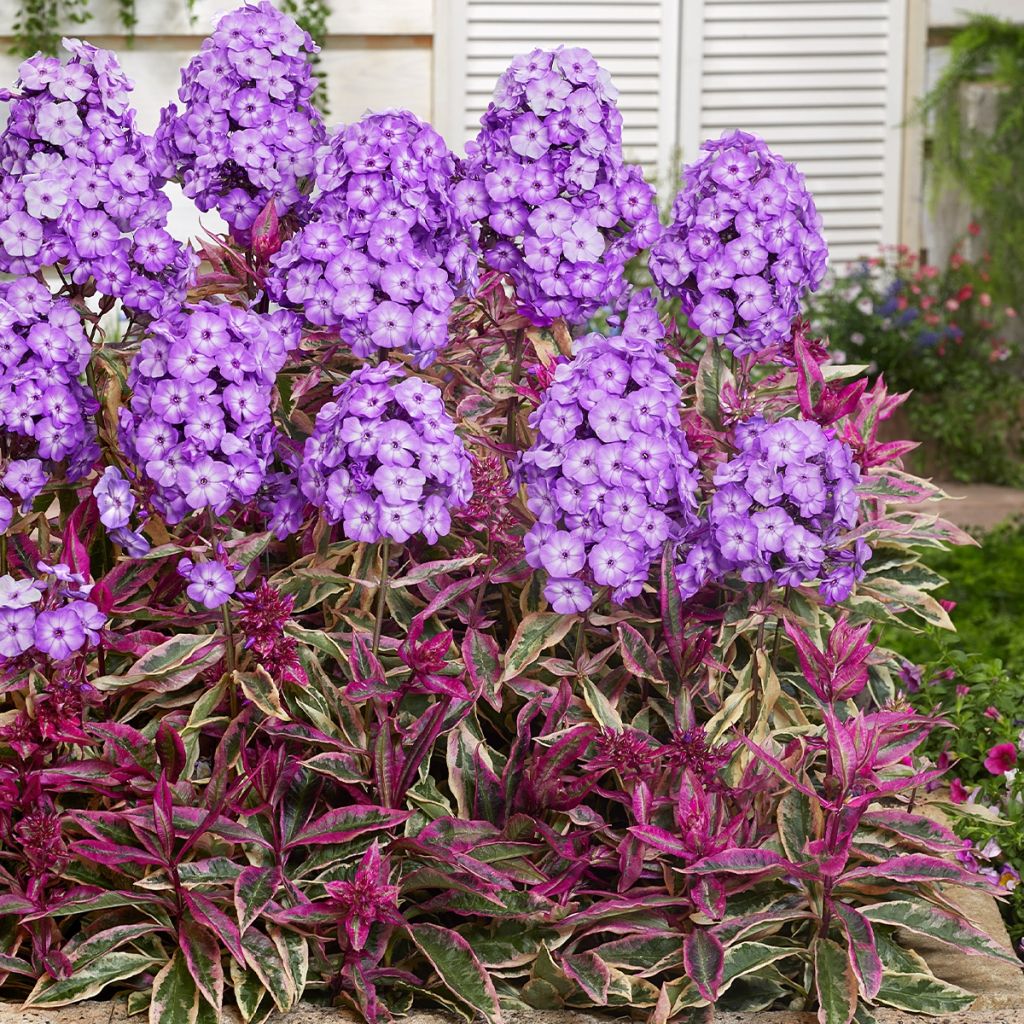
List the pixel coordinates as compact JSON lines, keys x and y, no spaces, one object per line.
{"x":199,"y":425}
{"x":387,"y":250}
{"x":780,"y":513}
{"x":610,"y":477}
{"x":384,"y":459}
{"x":559,"y":210}
{"x":744,"y":244}
{"x":248,"y":131}
{"x":77,"y":188}
{"x":46,"y":412}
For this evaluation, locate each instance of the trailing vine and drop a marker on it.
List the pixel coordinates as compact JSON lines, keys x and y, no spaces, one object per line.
{"x":984,"y":162}
{"x":37,"y":25}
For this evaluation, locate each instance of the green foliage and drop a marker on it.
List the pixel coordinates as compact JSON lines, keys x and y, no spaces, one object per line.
{"x":985,"y":165}
{"x":938,"y":333}
{"x":37,"y":23}
{"x":975,"y":680}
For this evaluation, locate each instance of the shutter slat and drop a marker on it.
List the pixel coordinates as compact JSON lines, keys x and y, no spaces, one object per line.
{"x":807,"y":10}
{"x":749,"y":99}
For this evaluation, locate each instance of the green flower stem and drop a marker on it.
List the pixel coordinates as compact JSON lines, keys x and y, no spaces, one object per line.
{"x":382,"y":590}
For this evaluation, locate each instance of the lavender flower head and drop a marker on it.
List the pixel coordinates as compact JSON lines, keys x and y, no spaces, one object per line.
{"x":780,"y":513}
{"x":248,"y":131}
{"x":744,"y":244}
{"x":199,"y":423}
{"x":610,"y":477}
{"x":559,"y":209}
{"x":386,"y":250}
{"x":384,"y":459}
{"x":76,"y":188}
{"x":45,"y":410}
{"x":51,"y":615}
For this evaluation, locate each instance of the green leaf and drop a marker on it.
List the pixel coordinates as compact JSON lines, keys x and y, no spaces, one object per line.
{"x":799,"y":822}
{"x":337,"y":766}
{"x":538,"y":631}
{"x":922,"y":993}
{"x":90,"y":980}
{"x":316,"y":638}
{"x":201,"y":952}
{"x":483,"y":664}
{"x":705,"y":962}
{"x":712,"y":376}
{"x":457,"y":967}
{"x":175,"y":996}
{"x":747,"y":957}
{"x":938,"y":924}
{"x":264,"y":958}
{"x":263,"y":692}
{"x":600,"y":707}
{"x":431,"y":569}
{"x":834,"y":982}
{"x":591,"y":973}
{"x":247,"y":988}
{"x":170,"y":665}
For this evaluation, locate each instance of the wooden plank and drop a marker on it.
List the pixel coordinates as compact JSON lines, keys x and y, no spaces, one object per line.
{"x":751,"y":99}
{"x":542,"y":14}
{"x":763,"y":29}
{"x":815,"y":10}
{"x":795,"y":64}
{"x":783,"y":80}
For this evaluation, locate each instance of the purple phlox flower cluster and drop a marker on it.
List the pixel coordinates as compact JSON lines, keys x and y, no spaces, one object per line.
{"x":248,"y":131}
{"x":386,"y":250}
{"x":77,"y":189}
{"x":744,"y":244}
{"x":610,"y":477}
{"x":199,"y":424}
{"x":780,"y":512}
{"x":45,"y":410}
{"x":209,"y":583}
{"x":384,"y":459}
{"x":116,"y":502}
{"x":560,"y":210}
{"x":52,"y":615}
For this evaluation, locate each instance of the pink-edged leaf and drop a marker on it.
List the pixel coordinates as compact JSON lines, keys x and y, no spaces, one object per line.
{"x":15,"y":965}
{"x":704,"y":959}
{"x":914,"y":827}
{"x":591,"y":973}
{"x":661,"y":839}
{"x":937,"y":924}
{"x":254,"y":889}
{"x":347,"y":823}
{"x":810,"y":381}
{"x":742,"y":861}
{"x":637,"y":654}
{"x":113,"y":855}
{"x":170,"y":751}
{"x":458,"y":968}
{"x":673,"y":614}
{"x":779,"y":767}
{"x":482,"y":659}
{"x":919,"y":867}
{"x":864,"y":959}
{"x":708,"y":895}
{"x":206,"y":912}
{"x":201,"y":951}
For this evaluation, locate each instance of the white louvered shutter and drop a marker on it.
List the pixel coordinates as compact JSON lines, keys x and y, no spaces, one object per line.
{"x":636,"y":40}
{"x":822,"y":82}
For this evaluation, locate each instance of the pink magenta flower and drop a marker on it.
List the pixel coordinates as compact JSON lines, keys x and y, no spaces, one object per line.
{"x":957,"y":792}
{"x":1001,"y":758}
